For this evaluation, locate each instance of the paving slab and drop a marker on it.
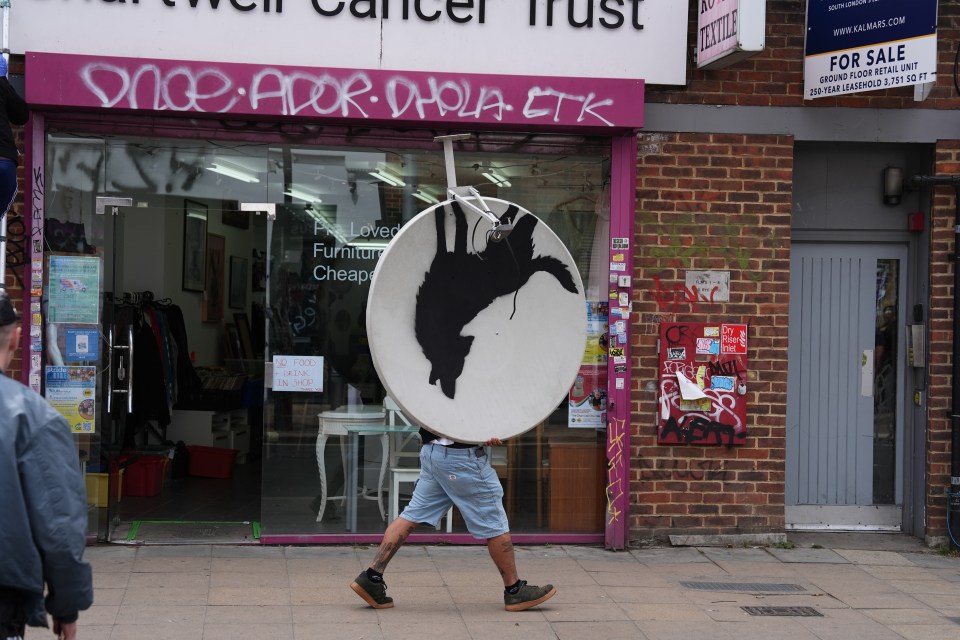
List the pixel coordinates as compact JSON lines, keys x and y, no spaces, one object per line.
{"x":818,"y":556}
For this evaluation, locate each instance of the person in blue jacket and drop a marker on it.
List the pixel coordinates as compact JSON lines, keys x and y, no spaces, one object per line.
{"x":43,"y":510}
{"x":15,"y":110}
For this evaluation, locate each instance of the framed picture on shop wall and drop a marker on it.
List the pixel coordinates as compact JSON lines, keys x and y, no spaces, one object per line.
{"x":194,"y":245}
{"x":213,"y":292}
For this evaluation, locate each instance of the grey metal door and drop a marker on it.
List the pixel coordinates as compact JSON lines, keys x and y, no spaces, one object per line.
{"x":844,"y":466}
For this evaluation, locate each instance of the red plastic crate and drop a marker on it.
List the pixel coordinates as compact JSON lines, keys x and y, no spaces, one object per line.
{"x":211,"y":462}
{"x":144,"y":477}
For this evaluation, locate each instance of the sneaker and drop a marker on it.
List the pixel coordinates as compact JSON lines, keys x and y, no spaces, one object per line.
{"x":375,"y":593}
{"x":528,"y":596}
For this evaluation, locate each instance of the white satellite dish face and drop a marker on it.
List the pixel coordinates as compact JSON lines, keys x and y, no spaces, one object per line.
{"x":476,"y":339}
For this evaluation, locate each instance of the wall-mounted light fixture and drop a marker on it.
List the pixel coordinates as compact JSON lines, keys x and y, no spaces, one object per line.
{"x":892,"y":185}
{"x":390,"y":179}
{"x":236,"y":172}
{"x":496,"y":178}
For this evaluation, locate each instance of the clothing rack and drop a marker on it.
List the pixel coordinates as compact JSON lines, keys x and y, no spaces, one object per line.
{"x":136,"y":297}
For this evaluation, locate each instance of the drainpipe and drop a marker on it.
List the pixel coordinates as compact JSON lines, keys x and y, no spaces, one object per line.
{"x":953,"y":501}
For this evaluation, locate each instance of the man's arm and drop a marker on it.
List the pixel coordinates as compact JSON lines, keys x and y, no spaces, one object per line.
{"x":56,"y":504}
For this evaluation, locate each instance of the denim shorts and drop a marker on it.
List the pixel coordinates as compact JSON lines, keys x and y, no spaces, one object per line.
{"x":463,"y":478}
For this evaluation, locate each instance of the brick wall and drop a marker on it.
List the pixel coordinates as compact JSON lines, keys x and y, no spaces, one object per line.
{"x":16,"y":240}
{"x":940,"y":390}
{"x":721,"y":202}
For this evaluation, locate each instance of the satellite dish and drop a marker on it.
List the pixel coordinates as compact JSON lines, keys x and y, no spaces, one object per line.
{"x":476,"y":338}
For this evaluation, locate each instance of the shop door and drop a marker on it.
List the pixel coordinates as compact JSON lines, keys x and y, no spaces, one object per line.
{"x":131,"y":436}
{"x":90,"y":301}
{"x":844,"y":467}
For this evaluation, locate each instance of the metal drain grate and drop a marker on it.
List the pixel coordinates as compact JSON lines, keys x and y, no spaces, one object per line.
{"x":807,"y":612}
{"x":748,"y":587}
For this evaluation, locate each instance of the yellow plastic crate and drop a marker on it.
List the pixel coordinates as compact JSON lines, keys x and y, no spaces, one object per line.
{"x":98,"y":488}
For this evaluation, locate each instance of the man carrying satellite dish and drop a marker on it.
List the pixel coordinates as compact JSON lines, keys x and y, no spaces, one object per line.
{"x":460,"y":473}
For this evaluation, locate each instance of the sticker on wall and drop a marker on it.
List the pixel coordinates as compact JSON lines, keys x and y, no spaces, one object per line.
{"x":676,"y":353}
{"x":708,"y":346}
{"x":618,"y":257}
{"x":82,"y":344}
{"x":711,"y":332}
{"x":624,"y":299}
{"x":722,"y":382}
{"x":733,"y":339}
{"x":613,"y":278}
{"x":620,"y":383}
{"x":624,"y":281}
{"x":620,"y":368}
{"x":618,"y":266}
{"x":619,"y":243}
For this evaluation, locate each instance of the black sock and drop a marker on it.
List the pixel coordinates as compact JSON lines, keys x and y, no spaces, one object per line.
{"x":512,"y":589}
{"x":375,"y":576}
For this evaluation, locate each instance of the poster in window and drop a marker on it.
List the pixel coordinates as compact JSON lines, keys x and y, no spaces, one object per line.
{"x":74,"y":290}
{"x":72,"y":392}
{"x":587,"y":400}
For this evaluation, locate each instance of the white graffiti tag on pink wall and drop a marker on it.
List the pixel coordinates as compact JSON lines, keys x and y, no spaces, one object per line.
{"x":244,"y":89}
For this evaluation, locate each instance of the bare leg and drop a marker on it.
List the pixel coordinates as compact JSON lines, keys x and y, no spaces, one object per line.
{"x":501,"y":552}
{"x":393,"y":538}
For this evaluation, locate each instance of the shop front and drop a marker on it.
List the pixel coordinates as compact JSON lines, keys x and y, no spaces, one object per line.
{"x":204,"y":236}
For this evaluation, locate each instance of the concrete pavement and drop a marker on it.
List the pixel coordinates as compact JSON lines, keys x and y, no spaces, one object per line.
{"x":872,"y":587}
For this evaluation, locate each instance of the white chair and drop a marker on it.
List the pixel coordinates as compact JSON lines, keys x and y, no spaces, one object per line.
{"x":334,"y":423}
{"x":400,"y":442}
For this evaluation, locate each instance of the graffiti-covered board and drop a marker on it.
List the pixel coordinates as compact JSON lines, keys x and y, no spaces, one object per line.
{"x":703,"y":384}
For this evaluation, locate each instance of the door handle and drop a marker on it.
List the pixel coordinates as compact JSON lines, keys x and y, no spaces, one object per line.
{"x":130,"y":377}
{"x":110,"y":370}
{"x":123,"y":373}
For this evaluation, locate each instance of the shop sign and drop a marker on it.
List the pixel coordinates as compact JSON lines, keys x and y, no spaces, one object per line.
{"x":633,"y":39}
{"x":381,"y":96}
{"x":729,"y":31}
{"x":298,"y":373}
{"x":868,"y":45}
